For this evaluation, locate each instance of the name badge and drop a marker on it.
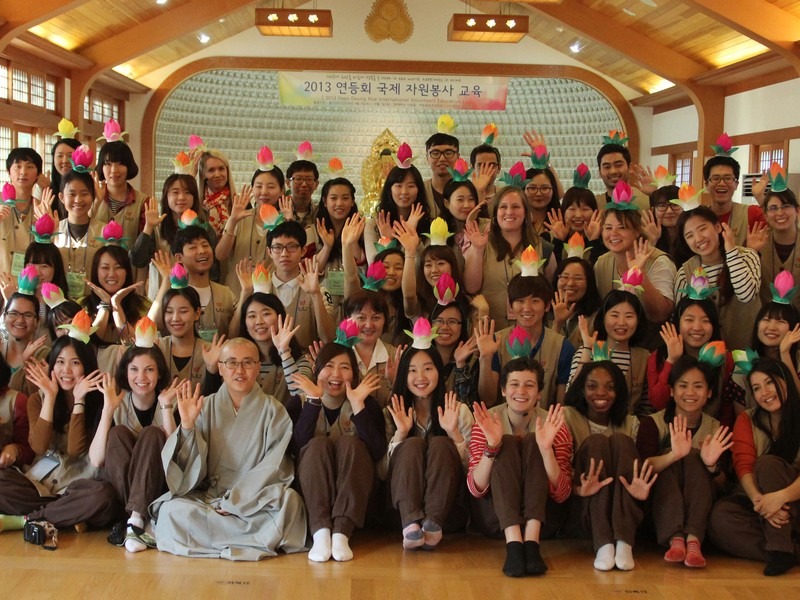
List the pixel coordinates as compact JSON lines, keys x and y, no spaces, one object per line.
{"x":76,"y":282}
{"x":17,"y":263}
{"x":335,"y":282}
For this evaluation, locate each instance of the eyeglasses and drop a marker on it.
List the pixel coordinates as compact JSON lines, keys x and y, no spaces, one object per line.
{"x":567,"y":278}
{"x":436,"y":154}
{"x":779,"y":207}
{"x":232,"y":364}
{"x":301,"y":180}
{"x":663,"y":207}
{"x":487,"y":164}
{"x":448,"y":322}
{"x":279,"y":248}
{"x":715,"y":179}
{"x":538,"y":189}
{"x":13,"y":314}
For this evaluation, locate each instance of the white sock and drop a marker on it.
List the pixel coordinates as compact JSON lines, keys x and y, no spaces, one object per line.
{"x":624,"y":556}
{"x":137,"y":521}
{"x":604,"y":559}
{"x":134,"y":545}
{"x":321,"y":549}
{"x":341,"y":548}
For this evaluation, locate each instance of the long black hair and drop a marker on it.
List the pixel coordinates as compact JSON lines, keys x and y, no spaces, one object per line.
{"x":47,"y":254}
{"x":168,"y":227}
{"x":787,"y":443}
{"x":780,"y":312}
{"x":707,"y":306}
{"x":133,"y":305}
{"x":55,"y":176}
{"x":614,"y":298}
{"x":273,"y":302}
{"x":387,"y":203}
{"x":576,"y":397}
{"x":682,"y":249}
{"x":400,"y":387}
{"x":94,"y":400}
{"x":325,"y":215}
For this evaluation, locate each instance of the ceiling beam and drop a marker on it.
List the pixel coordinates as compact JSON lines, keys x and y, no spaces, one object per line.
{"x":759,"y":20}
{"x":636,"y":46}
{"x":18,"y":17}
{"x":144,"y":37}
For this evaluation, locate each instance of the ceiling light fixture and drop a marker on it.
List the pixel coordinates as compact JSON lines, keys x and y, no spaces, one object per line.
{"x":294,"y":22}
{"x":465,"y":27}
{"x":575,"y":47}
{"x":203,"y":38}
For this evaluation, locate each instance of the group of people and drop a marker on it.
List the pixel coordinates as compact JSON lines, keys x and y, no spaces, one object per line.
{"x":232,"y":372}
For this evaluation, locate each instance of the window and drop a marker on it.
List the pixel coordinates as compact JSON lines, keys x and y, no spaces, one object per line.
{"x":3,"y":82}
{"x":99,"y":107}
{"x":766,"y":154}
{"x":21,"y":84}
{"x":681,"y":165}
{"x":5,"y":147}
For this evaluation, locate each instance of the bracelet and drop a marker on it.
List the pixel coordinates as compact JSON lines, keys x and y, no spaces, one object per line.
{"x":78,"y":404}
{"x":492,"y":451}
{"x":104,"y":306}
{"x":584,"y":347}
{"x":312,"y":402}
{"x":167,"y":406}
{"x":225,"y":230}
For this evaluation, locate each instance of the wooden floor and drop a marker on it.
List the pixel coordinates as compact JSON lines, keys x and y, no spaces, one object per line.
{"x":463,"y":568}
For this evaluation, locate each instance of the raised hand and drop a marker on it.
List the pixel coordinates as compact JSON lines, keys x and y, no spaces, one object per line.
{"x":111,"y":397}
{"x":33,"y":347}
{"x":282,"y":333}
{"x":563,"y":309}
{"x":673,"y":341}
{"x":533,"y":139}
{"x":651,"y":225}
{"x":643,"y":178}
{"x":309,"y":277}
{"x":403,"y":419}
{"x":359,"y":395}
{"x":414,"y":218}
{"x":587,"y":338}
{"x":168,"y":395}
{"x":353,"y":230}
{"x":308,"y":387}
{"x":713,"y":446}
{"x":314,"y":350}
{"x":286,"y":207}
{"x":641,"y":482}
{"x":474,"y":235}
{"x":152,"y":214}
{"x":384,"y":223}
{"x":464,"y":351}
{"x":38,"y":373}
{"x":546,"y":431}
{"x":118,"y":297}
{"x":44,"y":204}
{"x":244,"y":273}
{"x":484,"y":337}
{"x":639,"y":254}
{"x":211,"y":352}
{"x":407,"y":236}
{"x":448,"y":415}
{"x":99,"y":189}
{"x":555,"y":224}
{"x":591,"y":482}
{"x":239,"y":208}
{"x":163,"y":263}
{"x":475,"y":212}
{"x":327,"y":236}
{"x":86,"y":384}
{"x":393,"y":361}
{"x":99,"y":292}
{"x":680,"y":437}
{"x":729,"y":236}
{"x":757,"y":236}
{"x":593,"y":228}
{"x":189,"y":404}
{"x":8,"y":285}
{"x":760,"y":186}
{"x":489,"y":423}
{"x":482,"y":175}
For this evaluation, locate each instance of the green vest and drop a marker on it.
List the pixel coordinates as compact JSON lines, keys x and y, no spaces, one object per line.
{"x":578,"y":426}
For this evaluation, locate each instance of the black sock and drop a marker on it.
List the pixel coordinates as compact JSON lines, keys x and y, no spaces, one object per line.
{"x":515,"y":560}
{"x":779,"y":563}
{"x":534,"y":564}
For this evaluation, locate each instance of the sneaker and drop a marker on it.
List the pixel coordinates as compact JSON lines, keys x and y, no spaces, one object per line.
{"x":677,"y":551}
{"x":117,"y":535}
{"x":694,"y":555}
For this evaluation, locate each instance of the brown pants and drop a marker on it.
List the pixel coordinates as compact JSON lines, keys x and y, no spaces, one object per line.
{"x":424,"y":479}
{"x":133,"y":466}
{"x":84,"y":501}
{"x":336,"y":479}
{"x":682,"y":497}
{"x":519,"y":482}
{"x":612,"y":513}
{"x":737,"y":529}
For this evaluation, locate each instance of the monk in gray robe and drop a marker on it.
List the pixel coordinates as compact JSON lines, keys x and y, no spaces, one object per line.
{"x":227,"y":470}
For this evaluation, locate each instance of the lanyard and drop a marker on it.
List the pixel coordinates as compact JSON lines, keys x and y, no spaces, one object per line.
{"x":172,"y":359}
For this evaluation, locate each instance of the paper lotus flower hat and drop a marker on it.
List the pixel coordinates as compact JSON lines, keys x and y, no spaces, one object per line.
{"x":699,"y":287}
{"x":375,"y":278}
{"x":113,"y":234}
{"x":44,"y":230}
{"x":445,"y":290}
{"x":189,"y":218}
{"x":631,"y":281}
{"x":305,"y":151}
{"x":28,"y":281}
{"x":9,"y":195}
{"x":335,"y":167}
{"x":196,"y":143}
{"x":712,"y":353}
{"x":404,"y":157}
{"x":783,"y":288}
{"x":81,"y":327}
{"x":622,"y":197}
{"x":145,"y":335}
{"x":601,"y":351}
{"x":662,"y":177}
{"x":385,"y":243}
{"x":724,"y":146}
{"x":112,"y":132}
{"x":178,"y":278}
{"x":489,"y":134}
{"x":265,"y":160}
{"x":744,"y":360}
{"x":688,"y":197}
{"x":777,"y":178}
{"x":515,"y":176}
{"x":581,"y":176}
{"x":347,"y":333}
{"x":446,"y":124}
{"x":518,"y":343}
{"x":182,"y":163}
{"x":529,"y":262}
{"x":52,"y":295}
{"x":66,"y":129}
{"x":270,"y":217}
{"x":422,"y":334}
{"x":460,"y":171}
{"x":540,"y":157}
{"x":615,"y":137}
{"x":575,"y":246}
{"x":81,"y":159}
{"x":261,"y":279}
{"x":439,"y":233}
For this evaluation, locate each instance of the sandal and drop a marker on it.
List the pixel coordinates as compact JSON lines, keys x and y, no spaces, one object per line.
{"x":139,"y":534}
{"x":117,"y":535}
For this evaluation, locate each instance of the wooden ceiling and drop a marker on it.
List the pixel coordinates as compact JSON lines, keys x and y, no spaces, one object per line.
{"x":643,"y":44}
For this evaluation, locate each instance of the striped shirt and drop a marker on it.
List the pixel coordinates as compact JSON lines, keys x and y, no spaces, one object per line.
{"x":744,"y":267}
{"x":562,"y":448}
